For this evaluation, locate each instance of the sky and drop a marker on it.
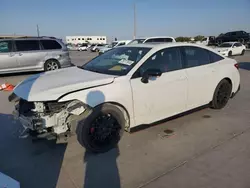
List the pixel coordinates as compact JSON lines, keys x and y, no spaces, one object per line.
{"x":114,"y":18}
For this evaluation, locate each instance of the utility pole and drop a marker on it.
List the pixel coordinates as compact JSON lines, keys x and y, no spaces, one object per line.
{"x":134,"y":21}
{"x":38,"y":30}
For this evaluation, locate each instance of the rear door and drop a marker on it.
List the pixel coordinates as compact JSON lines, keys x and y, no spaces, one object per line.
{"x":29,"y":55}
{"x":201,"y":74}
{"x":8,"y":59}
{"x":237,"y":48}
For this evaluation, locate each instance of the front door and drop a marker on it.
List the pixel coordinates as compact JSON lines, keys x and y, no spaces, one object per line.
{"x":162,"y":96}
{"x":8,"y":59}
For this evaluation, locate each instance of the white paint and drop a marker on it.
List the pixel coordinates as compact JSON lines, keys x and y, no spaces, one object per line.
{"x":236,"y":50}
{"x":83,"y":39}
{"x":171,"y":93}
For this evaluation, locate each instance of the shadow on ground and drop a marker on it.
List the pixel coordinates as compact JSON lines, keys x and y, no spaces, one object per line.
{"x":33,"y":165}
{"x":244,"y":65}
{"x":101,"y":170}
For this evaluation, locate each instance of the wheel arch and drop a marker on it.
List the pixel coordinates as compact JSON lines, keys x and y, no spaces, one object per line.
{"x":225,"y":78}
{"x":124,"y":111}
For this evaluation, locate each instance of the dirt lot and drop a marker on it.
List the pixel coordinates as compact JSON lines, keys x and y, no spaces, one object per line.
{"x":209,"y":149}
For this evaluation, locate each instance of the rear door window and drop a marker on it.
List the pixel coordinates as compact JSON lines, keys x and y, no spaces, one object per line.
{"x":5,"y":46}
{"x":27,"y":45}
{"x":50,"y":45}
{"x":195,"y":56}
{"x":214,"y":57}
{"x":159,"y":40}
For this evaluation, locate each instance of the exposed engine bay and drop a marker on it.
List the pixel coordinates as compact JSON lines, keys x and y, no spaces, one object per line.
{"x":48,"y":119}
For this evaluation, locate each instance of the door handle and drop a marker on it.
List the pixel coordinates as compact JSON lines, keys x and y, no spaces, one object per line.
{"x":20,"y":54}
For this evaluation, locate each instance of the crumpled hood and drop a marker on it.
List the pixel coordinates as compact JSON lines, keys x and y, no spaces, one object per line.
{"x":51,"y":85}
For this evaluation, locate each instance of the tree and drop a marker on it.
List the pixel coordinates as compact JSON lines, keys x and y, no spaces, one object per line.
{"x":182,"y":39}
{"x":198,"y":38}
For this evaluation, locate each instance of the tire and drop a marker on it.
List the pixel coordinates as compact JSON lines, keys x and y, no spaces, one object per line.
{"x":222,"y":94}
{"x":51,"y":64}
{"x":243,"y":52}
{"x":89,"y":130}
{"x":229,"y":53}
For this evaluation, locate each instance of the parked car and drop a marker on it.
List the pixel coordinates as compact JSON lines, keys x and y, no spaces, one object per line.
{"x":114,"y":45}
{"x":83,"y":47}
{"x":96,"y":47}
{"x":208,"y":41}
{"x":231,"y":48}
{"x":235,"y":36}
{"x":160,"y":39}
{"x":123,"y":88}
{"x":32,"y":54}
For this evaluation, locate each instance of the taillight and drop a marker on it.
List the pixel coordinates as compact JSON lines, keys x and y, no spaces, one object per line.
{"x":236,"y":66}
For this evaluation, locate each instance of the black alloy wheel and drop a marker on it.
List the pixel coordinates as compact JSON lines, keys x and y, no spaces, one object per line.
{"x":102,"y":129}
{"x":222,"y":94}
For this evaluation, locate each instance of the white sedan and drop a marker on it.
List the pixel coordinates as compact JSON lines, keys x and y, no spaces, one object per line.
{"x":123,"y":88}
{"x":231,"y":48}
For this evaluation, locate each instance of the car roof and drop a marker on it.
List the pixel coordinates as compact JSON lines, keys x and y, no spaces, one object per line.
{"x":164,"y":45}
{"x":32,"y":38}
{"x":154,"y":37}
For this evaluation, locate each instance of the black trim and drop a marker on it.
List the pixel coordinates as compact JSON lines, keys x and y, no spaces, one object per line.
{"x":145,"y":126}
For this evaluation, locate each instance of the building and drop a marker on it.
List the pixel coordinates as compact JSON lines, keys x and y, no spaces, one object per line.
{"x":86,"y":39}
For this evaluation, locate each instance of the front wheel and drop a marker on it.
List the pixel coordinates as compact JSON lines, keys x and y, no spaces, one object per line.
{"x":243,"y":52}
{"x":222,"y":94}
{"x":102,"y":129}
{"x":230,"y":54}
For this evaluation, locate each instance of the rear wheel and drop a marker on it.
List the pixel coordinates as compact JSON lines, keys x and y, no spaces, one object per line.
{"x":222,"y":94}
{"x":102,"y":129}
{"x":51,"y":64}
{"x":229,"y":53}
{"x":243,"y":52}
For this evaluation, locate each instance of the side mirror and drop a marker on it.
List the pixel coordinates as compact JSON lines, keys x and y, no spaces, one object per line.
{"x":150,"y":73}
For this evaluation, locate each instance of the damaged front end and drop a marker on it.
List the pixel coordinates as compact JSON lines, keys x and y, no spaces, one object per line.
{"x":49,"y":120}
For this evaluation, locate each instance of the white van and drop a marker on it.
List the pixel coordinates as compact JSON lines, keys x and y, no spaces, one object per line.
{"x":159,"y":39}
{"x":114,"y":44}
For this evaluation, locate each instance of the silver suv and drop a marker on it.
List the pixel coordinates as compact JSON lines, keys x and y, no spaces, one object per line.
{"x":32,"y":54}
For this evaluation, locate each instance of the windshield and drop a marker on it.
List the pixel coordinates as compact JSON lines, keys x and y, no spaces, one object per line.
{"x":137,"y":41}
{"x":225,"y":45}
{"x":118,"y":61}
